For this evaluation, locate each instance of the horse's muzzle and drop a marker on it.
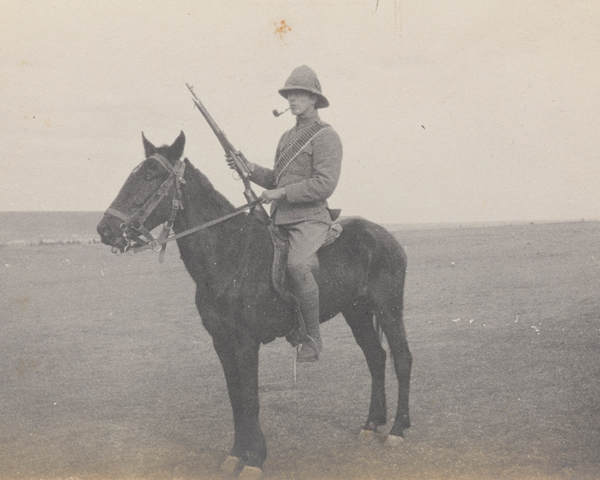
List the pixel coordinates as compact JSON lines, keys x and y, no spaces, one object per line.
{"x":111,"y":235}
{"x":107,"y":236}
{"x":119,"y":236}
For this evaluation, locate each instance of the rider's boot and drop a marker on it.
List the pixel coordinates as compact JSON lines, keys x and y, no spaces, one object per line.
{"x":309,"y":306}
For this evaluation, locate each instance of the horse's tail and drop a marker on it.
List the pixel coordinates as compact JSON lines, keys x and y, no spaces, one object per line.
{"x":378,"y":328}
{"x":380,"y":335}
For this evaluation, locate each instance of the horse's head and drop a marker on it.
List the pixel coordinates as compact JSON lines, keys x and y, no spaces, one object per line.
{"x":147,"y":199}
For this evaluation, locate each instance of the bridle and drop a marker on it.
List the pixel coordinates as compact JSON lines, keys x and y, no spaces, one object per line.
{"x":133,"y":226}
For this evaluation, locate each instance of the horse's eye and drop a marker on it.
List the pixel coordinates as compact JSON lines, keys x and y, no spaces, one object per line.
{"x":150,"y":174}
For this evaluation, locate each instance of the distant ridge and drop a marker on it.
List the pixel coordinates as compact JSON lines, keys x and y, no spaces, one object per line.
{"x":393,"y":227}
{"x":35,"y":228}
{"x":48,"y":227}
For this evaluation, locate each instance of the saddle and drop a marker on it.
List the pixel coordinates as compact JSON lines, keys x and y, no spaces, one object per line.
{"x":280,"y":280}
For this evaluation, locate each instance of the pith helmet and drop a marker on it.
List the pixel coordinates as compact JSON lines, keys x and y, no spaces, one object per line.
{"x":305,"y":78}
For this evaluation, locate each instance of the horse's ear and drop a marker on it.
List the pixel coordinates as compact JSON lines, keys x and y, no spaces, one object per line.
{"x":149,"y":149}
{"x":176,"y":150}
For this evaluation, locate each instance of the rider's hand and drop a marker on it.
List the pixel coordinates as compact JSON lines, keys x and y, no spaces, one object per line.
{"x":269,"y":196}
{"x":231,"y":162}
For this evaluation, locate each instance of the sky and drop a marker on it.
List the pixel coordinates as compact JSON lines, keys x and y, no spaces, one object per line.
{"x":448,"y":111}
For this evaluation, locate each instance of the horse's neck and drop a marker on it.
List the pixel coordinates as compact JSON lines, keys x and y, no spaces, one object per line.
{"x":207,"y":253}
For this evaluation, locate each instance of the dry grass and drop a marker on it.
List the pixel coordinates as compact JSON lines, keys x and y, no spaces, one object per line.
{"x":106,"y":371}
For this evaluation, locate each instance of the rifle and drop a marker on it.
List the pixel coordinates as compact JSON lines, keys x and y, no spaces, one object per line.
{"x":238,"y":158}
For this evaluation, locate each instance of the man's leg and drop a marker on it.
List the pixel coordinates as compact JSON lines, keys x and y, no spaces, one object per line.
{"x":305,"y":239}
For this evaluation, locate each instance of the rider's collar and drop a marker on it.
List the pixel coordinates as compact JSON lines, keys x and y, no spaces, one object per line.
{"x":301,"y":121}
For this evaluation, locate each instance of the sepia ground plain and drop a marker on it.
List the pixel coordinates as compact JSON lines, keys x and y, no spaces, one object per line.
{"x":107,"y":373}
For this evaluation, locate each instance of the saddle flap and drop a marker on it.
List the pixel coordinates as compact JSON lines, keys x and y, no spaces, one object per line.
{"x":333,"y":234}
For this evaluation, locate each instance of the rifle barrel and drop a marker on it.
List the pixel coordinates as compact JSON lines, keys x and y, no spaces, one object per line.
{"x":225,"y":143}
{"x":238,"y":158}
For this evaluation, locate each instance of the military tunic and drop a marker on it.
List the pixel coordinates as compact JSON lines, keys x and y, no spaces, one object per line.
{"x":309,"y":180}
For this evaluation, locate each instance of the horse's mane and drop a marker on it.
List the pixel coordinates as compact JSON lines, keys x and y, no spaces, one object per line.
{"x":213,"y":204}
{"x":207,"y":188}
{"x":212,"y":196}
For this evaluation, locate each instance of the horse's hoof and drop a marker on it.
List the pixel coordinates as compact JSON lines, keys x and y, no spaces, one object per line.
{"x":393,"y":440}
{"x":366,"y":435}
{"x":250,"y":473}
{"x":230,"y":464}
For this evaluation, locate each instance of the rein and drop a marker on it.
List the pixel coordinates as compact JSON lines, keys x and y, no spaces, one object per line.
{"x":136,"y":221}
{"x":197,"y":228}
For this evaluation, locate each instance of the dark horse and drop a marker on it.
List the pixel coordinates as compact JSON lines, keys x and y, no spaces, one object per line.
{"x":361,"y":275}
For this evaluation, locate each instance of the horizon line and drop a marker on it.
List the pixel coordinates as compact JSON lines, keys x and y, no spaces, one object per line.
{"x":436,"y":222}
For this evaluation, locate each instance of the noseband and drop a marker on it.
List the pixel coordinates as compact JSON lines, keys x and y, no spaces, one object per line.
{"x":134,"y":225}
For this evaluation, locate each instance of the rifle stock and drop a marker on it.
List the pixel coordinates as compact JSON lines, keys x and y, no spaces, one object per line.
{"x":237,"y":156}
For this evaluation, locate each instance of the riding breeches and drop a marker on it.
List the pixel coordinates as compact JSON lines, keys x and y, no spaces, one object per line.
{"x":305,"y":239}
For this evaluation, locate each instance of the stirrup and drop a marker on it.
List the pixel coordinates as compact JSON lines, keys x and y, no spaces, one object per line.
{"x":310,"y":344}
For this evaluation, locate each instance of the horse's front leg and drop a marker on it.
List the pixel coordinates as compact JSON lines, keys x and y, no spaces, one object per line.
{"x":226,"y":352}
{"x":238,"y":354}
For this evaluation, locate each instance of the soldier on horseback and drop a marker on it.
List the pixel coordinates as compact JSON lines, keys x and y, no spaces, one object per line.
{"x":306,"y":172}
{"x":361,"y":275}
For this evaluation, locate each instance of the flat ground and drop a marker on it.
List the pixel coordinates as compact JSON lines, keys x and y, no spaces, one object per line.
{"x":107,"y":372}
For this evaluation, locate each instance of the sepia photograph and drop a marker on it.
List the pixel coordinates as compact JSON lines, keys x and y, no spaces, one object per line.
{"x":299,"y":240}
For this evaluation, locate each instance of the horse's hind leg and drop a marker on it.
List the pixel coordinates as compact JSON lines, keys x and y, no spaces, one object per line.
{"x":360,"y":319}
{"x":393,"y":327}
